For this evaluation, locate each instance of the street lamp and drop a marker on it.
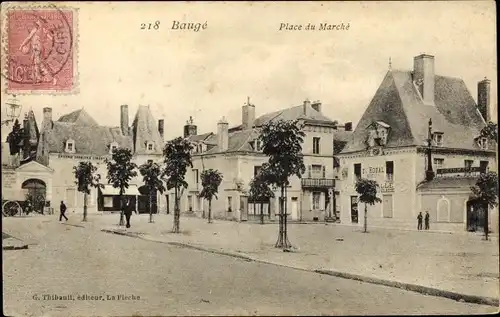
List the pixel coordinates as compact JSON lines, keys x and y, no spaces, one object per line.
{"x":429,"y":173}
{"x":12,"y":110}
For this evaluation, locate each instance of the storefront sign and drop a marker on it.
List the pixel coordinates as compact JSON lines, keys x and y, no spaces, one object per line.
{"x":8,"y":179}
{"x":372,"y":172}
{"x":387,"y":188}
{"x":457,"y":170}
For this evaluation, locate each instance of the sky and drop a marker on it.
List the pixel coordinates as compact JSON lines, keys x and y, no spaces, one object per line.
{"x":209,"y":74}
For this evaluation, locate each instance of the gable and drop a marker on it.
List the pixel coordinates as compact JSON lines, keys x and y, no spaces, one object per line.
{"x":34,"y":166}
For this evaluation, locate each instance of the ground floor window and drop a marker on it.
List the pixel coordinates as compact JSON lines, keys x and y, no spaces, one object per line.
{"x":316,"y":200}
{"x":229,"y":203}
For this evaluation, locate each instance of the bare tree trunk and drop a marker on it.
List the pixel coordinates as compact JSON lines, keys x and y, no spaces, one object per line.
{"x":210,"y":211}
{"x":176,"y":228}
{"x":261,"y":213}
{"x":150,"y":206}
{"x":285,"y":231}
{"x":486,"y":224}
{"x":122,"y":221}
{"x":84,"y":206}
{"x":282,"y":238}
{"x":366,"y":217}
{"x":202,"y":210}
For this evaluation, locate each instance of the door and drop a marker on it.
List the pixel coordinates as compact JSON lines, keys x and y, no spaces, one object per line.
{"x":244,"y":208}
{"x":354,"y":209}
{"x":70,"y":198}
{"x":387,"y":206}
{"x":295,"y":208}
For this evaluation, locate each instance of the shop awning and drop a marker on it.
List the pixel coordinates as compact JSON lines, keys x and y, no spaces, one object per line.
{"x":109,"y":190}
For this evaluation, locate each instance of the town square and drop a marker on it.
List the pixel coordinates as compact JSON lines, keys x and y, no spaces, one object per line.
{"x":362,"y":184}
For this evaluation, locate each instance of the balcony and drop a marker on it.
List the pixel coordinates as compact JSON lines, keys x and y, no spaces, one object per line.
{"x":317,"y":183}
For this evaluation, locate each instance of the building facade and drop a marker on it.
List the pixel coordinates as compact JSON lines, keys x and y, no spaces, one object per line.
{"x":237,"y":154}
{"x":391,"y":145}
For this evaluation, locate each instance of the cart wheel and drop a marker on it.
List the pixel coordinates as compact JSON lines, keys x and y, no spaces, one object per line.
{"x":11,"y":208}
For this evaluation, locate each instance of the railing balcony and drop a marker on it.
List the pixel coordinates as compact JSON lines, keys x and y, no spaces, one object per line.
{"x":318,"y":183}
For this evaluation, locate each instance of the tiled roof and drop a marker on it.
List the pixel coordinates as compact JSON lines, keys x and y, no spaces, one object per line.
{"x":95,"y":139}
{"x":398,"y":104}
{"x":80,"y":117}
{"x":238,"y":141}
{"x":200,"y":137}
{"x":440,"y":183}
{"x":145,"y":129}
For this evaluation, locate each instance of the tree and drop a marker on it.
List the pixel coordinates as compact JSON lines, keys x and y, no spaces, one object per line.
{"x":210,"y":181}
{"x":121,"y":170}
{"x":282,"y":142}
{"x":367,"y":190}
{"x":86,"y":177}
{"x":485,"y":193}
{"x":260,"y":190}
{"x":490,"y":131}
{"x":151,"y":173}
{"x":15,"y":138}
{"x":177,"y":159}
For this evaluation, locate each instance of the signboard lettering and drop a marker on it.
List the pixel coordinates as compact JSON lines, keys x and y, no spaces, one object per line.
{"x":456,"y":170}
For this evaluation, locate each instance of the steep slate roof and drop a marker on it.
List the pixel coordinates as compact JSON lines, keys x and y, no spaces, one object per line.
{"x":80,"y":117}
{"x":93,"y":139}
{"x":398,"y":104}
{"x":144,"y":129}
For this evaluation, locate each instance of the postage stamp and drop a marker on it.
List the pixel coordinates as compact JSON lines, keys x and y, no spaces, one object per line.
{"x":40,"y":50}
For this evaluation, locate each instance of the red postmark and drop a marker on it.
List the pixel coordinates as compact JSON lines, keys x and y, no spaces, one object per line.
{"x":40,"y":53}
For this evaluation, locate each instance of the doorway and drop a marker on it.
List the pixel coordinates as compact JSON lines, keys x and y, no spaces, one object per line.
{"x":244,"y":208}
{"x":387,"y":206}
{"x":476,"y":216}
{"x":295,"y":208}
{"x":354,"y":209}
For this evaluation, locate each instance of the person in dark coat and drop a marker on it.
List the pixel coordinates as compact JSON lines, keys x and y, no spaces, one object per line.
{"x":128,"y":211}
{"x":426,"y":220}
{"x":419,"y":221}
{"x":62,"y":209}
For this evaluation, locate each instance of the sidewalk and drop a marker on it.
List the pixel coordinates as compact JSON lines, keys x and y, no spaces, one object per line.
{"x":464,"y":264}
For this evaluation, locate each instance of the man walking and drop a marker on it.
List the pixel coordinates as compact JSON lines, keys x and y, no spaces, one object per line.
{"x":419,"y":219}
{"x":62,"y":209}
{"x":426,"y":219}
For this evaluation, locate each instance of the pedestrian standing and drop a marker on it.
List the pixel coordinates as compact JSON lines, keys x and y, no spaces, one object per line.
{"x":426,"y":219}
{"x":128,"y":212}
{"x":62,"y":209}
{"x":419,"y":221}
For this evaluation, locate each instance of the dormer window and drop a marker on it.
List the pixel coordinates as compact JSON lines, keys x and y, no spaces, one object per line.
{"x":259,"y":145}
{"x":377,"y":134}
{"x":70,"y":146}
{"x":150,"y":146}
{"x":113,"y":146}
{"x":437,"y":137}
{"x":483,"y":143}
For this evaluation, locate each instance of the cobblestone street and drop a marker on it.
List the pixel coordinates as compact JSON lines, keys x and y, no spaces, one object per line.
{"x":73,"y":260}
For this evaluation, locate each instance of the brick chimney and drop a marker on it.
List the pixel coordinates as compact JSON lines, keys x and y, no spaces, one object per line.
{"x":348,"y":126}
{"x":247,"y":115}
{"x":47,"y":119}
{"x":316,"y":105}
{"x":190,"y":128}
{"x":223,"y":135}
{"x":306,"y":106}
{"x":483,"y":98}
{"x":423,"y":76}
{"x":124,"y":120}
{"x":26,"y":138}
{"x":161,"y":127}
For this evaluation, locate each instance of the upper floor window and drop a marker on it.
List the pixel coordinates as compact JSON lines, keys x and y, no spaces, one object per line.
{"x":196,"y":176}
{"x":483,"y":143}
{"x":317,"y":171}
{"x":468,"y":164}
{"x":437,"y":137}
{"x":150,"y":146}
{"x":113,"y":146}
{"x":484,"y":166}
{"x":357,"y":171}
{"x":256,"y":170}
{"x":70,"y":146}
{"x":389,"y":171}
{"x":316,"y":145}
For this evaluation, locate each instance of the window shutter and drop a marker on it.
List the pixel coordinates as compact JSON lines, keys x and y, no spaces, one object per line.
{"x":324,"y":171}
{"x":309,"y":168}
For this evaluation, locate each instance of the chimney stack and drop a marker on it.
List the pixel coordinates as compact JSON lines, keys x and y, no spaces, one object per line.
{"x":316,"y":106}
{"x":248,"y":115}
{"x":483,"y":98}
{"x":161,"y":126}
{"x":124,"y":120}
{"x":306,"y":106}
{"x":423,"y":76}
{"x":190,"y":128}
{"x":26,"y":138}
{"x":223,"y":135}
{"x":348,"y":126}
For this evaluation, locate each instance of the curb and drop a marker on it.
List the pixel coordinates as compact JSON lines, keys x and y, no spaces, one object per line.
{"x":13,"y":247}
{"x":70,"y":224}
{"x":482,"y":300}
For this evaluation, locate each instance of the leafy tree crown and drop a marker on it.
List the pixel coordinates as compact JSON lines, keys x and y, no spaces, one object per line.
{"x":177,"y":158}
{"x":15,"y":138}
{"x":367,"y":190}
{"x":86,"y":177}
{"x":121,"y":169}
{"x":259,"y":186}
{"x":490,"y":131}
{"x":486,"y":188}
{"x":210,"y":180}
{"x":151,"y":175}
